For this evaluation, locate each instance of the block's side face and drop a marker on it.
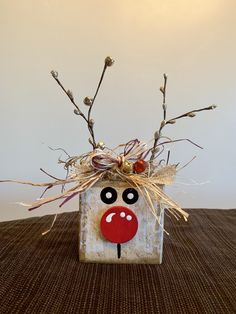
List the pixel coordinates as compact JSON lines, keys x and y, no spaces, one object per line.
{"x":145,"y":247}
{"x":82,"y":231}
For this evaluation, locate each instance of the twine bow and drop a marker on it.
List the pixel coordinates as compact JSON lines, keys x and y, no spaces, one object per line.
{"x":84,"y":171}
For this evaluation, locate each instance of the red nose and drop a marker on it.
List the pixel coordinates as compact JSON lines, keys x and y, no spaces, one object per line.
{"x":119,"y":224}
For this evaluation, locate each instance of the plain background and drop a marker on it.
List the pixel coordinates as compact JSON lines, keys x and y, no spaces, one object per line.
{"x":194,"y":42}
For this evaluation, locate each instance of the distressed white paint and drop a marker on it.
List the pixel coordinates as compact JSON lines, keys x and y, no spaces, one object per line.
{"x":145,"y":247}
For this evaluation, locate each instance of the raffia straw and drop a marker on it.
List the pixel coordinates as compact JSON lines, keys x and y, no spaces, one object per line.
{"x":81,"y":187}
{"x":140,"y":182}
{"x":87,"y":169}
{"x":53,"y":222}
{"x":57,"y":182}
{"x":158,"y":217}
{"x":153,"y":188}
{"x":147,"y":198}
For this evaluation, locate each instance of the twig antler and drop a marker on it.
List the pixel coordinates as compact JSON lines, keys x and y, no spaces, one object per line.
{"x":87,"y":100}
{"x":158,"y":134}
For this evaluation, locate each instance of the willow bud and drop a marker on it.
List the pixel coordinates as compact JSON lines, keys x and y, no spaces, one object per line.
{"x":100,"y":145}
{"x":88,"y":101}
{"x":191,"y":114}
{"x":109,"y":61}
{"x":163,"y":123}
{"x":156,"y":135}
{"x":70,"y":94}
{"x":54,"y":74}
{"x":91,"y":122}
{"x":155,"y":150}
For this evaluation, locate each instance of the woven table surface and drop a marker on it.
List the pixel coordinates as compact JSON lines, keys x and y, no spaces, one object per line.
{"x":42,"y":274}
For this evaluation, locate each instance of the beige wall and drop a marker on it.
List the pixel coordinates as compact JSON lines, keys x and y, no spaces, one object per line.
{"x":193,"y":41}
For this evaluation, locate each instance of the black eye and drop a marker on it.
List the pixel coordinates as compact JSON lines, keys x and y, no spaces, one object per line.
{"x":108,"y":195}
{"x":130,"y":196}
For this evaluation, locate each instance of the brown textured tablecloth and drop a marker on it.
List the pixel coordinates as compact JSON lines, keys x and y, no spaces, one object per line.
{"x":42,"y":274}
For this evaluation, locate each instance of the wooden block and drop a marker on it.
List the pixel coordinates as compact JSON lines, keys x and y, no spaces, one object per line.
{"x":145,"y":247}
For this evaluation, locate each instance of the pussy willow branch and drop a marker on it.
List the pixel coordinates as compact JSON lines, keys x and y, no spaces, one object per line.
{"x":190,"y":114}
{"x":90,"y":123}
{"x":90,"y":126}
{"x":98,"y":87}
{"x":157,"y":137}
{"x":66,"y":92}
{"x":163,"y":90}
{"x":78,"y":111}
{"x":157,"y":134}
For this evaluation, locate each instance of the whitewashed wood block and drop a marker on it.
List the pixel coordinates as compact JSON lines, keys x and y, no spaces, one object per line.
{"x":145,"y":247}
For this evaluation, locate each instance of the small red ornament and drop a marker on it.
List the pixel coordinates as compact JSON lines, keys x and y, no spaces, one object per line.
{"x":119,"y":224}
{"x":140,"y":166}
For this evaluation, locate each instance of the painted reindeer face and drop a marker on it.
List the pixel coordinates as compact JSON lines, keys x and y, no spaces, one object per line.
{"x":117,"y":226}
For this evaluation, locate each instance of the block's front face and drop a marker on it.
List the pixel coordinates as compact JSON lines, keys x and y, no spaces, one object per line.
{"x":112,"y":216}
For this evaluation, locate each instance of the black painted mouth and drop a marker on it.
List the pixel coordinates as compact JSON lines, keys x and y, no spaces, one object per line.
{"x":118,"y":250}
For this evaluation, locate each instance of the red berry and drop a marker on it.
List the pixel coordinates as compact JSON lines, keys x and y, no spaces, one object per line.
{"x":140,"y":166}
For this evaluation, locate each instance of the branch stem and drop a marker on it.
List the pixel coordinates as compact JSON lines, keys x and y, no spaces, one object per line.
{"x":98,"y":87}
{"x":71,"y":99}
{"x":158,"y":133}
{"x":188,"y":114}
{"x":164,"y":97}
{"x":90,"y":128}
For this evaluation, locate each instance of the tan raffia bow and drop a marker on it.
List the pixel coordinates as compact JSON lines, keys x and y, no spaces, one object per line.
{"x":85,"y":170}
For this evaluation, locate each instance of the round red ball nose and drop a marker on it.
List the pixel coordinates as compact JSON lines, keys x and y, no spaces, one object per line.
{"x":119,"y":224}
